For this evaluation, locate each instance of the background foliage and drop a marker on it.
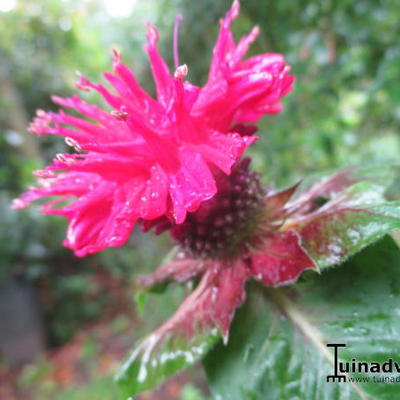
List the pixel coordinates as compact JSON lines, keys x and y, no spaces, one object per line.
{"x":345,"y":109}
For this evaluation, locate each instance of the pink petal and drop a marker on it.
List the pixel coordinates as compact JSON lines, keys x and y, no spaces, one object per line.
{"x":223,"y":150}
{"x":163,"y":79}
{"x":192,"y":185}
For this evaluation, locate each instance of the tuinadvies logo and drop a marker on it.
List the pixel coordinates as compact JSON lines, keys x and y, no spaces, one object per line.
{"x":343,"y":368}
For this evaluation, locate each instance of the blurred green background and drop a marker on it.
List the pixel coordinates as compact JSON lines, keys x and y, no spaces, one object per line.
{"x":345,"y":109}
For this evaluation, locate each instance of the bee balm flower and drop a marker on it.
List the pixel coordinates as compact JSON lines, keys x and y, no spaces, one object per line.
{"x":146,"y":159}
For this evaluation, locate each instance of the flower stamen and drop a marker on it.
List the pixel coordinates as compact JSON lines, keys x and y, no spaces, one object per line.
{"x":178,"y":19}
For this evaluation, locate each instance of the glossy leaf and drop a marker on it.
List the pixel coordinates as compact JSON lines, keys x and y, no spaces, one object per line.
{"x":183,"y":339}
{"x":277,"y":348}
{"x":354,"y":218}
{"x":156,"y":358}
{"x":343,"y":233}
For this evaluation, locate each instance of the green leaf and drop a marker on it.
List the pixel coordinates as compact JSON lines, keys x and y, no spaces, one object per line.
{"x":335,"y":217}
{"x":334,"y":234}
{"x":277,"y":348}
{"x":160,"y":356}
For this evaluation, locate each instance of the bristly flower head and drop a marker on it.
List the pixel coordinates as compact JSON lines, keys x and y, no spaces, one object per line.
{"x":145,"y":158}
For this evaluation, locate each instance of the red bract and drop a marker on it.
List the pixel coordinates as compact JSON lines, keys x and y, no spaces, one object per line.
{"x":271,"y":237}
{"x":149,"y":159}
{"x":237,"y":235}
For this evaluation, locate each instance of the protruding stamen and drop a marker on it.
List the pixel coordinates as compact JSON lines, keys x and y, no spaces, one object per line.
{"x":181,"y":71}
{"x":178,"y":19}
{"x":121,"y":114}
{"x":73,"y":143}
{"x":64,"y":158}
{"x":43,"y":173}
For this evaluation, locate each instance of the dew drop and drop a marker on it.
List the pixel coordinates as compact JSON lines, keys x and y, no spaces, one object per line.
{"x":154,"y":195}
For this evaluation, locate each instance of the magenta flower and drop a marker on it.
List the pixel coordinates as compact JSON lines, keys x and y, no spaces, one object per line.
{"x":148,"y":159}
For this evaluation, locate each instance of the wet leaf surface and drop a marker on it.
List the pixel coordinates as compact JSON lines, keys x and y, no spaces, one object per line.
{"x":156,"y":359}
{"x":277,"y":348}
{"x":330,"y":238}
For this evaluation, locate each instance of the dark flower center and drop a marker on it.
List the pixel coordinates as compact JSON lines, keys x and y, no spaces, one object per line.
{"x":224,"y":225}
